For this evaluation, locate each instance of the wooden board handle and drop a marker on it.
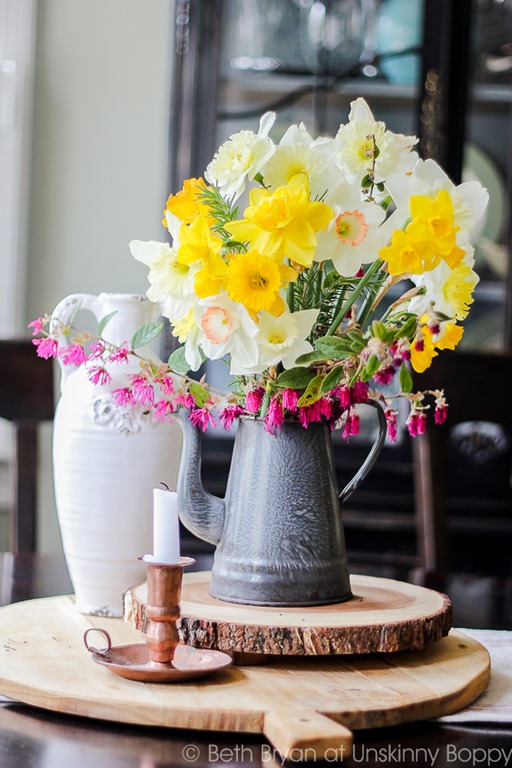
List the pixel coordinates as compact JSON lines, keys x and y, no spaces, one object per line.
{"x":302,"y":735}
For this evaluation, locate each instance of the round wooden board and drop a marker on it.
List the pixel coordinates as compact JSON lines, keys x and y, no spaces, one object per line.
{"x":384,"y":616}
{"x":296,"y":703}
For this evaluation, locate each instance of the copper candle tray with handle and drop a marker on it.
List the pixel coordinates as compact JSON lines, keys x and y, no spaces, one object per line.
{"x":162,"y":658}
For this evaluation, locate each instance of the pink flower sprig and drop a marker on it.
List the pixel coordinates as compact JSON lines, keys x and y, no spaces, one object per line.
{"x":154,"y":387}
{"x":161,"y":391}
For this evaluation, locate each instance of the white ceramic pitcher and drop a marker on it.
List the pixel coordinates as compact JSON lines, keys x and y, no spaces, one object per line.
{"x":106,"y":461}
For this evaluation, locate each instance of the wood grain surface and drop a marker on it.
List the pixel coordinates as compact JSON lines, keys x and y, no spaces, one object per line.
{"x":296,"y":702}
{"x":384,"y":616}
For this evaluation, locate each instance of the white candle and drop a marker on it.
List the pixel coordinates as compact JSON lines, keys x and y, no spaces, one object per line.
{"x":166,"y":536}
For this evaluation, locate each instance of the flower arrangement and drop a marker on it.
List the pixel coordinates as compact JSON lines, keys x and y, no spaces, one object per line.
{"x":349,"y":262}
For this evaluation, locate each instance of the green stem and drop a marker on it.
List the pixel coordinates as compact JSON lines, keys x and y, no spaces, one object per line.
{"x":319,"y":283}
{"x":354,"y":296}
{"x":266,"y":401}
{"x":368,"y":307}
{"x":290,"y":297}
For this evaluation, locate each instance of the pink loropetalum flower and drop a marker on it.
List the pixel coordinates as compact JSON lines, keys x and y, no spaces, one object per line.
{"x":352,"y":424}
{"x":165,"y":383}
{"x":99,"y":375}
{"x":440,"y":414}
{"x":202,"y":418}
{"x":253,"y":399}
{"x":73,"y":354}
{"x":47,"y":347}
{"x":120,"y":354}
{"x":123,"y":396}
{"x":163,"y":410}
{"x":290,"y":399}
{"x":359,"y":392}
{"x":274,"y":417}
{"x":390,"y":414}
{"x":344,"y":396}
{"x":384,"y":375}
{"x":416,"y":423}
{"x":37,"y":325}
{"x":400,"y":352}
{"x":186,"y":400}
{"x":441,"y":409}
{"x":229,"y":414}
{"x":96,"y":350}
{"x":326,"y":408}
{"x":143,"y":391}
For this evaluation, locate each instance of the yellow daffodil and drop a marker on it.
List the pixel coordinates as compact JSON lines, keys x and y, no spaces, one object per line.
{"x":451,"y":336}
{"x":182,"y":327}
{"x":211,"y":278}
{"x":200,"y":247}
{"x":283,"y":223}
{"x":186,"y":205}
{"x":458,"y":290}
{"x":405,"y":255}
{"x":197,"y":241}
{"x":432,"y":222}
{"x":255,"y":280}
{"x":429,"y":237}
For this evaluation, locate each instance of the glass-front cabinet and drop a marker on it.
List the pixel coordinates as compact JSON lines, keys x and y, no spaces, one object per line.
{"x":439,"y":70}
{"x":442,"y":71}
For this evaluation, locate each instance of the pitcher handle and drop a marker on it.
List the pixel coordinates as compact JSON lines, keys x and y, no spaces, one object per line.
{"x":370,"y":460}
{"x":63,"y":313}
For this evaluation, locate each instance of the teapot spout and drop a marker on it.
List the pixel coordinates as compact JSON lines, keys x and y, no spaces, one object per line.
{"x":201,"y":512}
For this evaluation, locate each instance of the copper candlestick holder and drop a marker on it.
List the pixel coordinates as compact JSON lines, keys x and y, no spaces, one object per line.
{"x":162,"y":658}
{"x":163,"y":608}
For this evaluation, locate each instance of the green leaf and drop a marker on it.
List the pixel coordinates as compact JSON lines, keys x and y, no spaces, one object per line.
{"x":200,"y":394}
{"x":312,"y":393}
{"x":334,"y":347}
{"x":105,"y":321}
{"x":145,"y":334}
{"x":406,"y":382}
{"x":356,"y":341}
{"x":177,"y":361}
{"x":333,"y":378}
{"x":295,"y":378}
{"x":408,"y":328}
{"x":372,"y":366}
{"x":74,"y":313}
{"x":311,"y":357}
{"x":379,"y":330}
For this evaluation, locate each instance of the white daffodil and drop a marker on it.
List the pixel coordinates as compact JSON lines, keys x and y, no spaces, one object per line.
{"x":297,"y":152}
{"x":281,"y":339}
{"x":366,"y":144}
{"x":172,"y":283}
{"x":428,"y":178}
{"x":227,"y":329}
{"x":241,"y":157}
{"x":448,"y":291}
{"x":192,"y":347}
{"x":173,"y":225}
{"x":354,"y":235}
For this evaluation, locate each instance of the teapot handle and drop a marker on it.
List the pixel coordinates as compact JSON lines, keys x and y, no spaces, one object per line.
{"x":63,"y":313}
{"x":370,"y":460}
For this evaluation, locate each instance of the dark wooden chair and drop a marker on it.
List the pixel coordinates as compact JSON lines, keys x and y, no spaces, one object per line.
{"x":463,"y":484}
{"x":26,"y":399}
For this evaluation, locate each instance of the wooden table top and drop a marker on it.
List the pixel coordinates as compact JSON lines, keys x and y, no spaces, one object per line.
{"x":43,"y":739}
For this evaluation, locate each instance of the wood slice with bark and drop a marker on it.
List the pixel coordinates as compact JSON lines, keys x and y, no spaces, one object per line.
{"x":383,"y":616}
